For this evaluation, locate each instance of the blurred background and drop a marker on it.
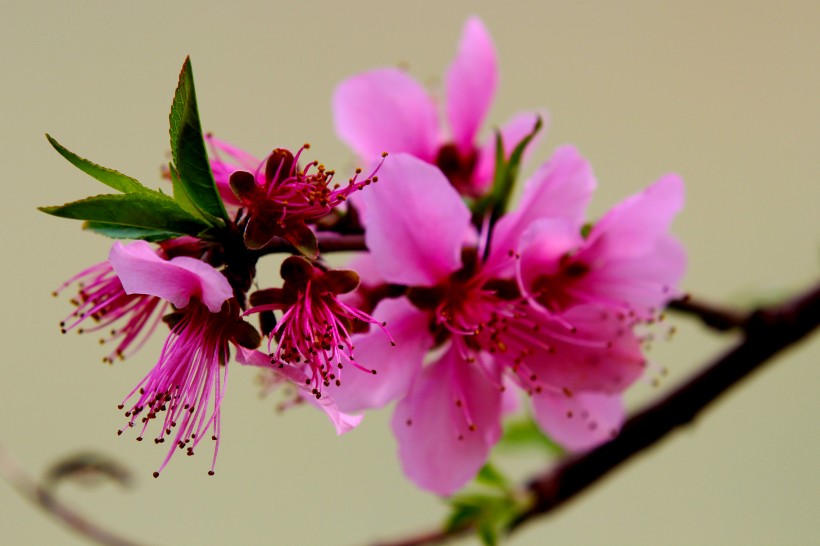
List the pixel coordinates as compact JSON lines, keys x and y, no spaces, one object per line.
{"x":725,"y":93}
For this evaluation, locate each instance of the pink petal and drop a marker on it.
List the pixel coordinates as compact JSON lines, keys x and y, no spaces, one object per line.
{"x":386,"y":110}
{"x":221,"y":150}
{"x":633,"y":226}
{"x":252,"y":357}
{"x":580,"y":422}
{"x":397,"y":366}
{"x":141,"y":271}
{"x":342,"y":422}
{"x":416,"y":222}
{"x":541,"y":248}
{"x":226,"y":160}
{"x":643,"y":284}
{"x":601,"y":354}
{"x":364,"y":264}
{"x":561,"y":188}
{"x":437,"y":448}
{"x":471,"y":83}
{"x":510,"y":398}
{"x":512,"y":133}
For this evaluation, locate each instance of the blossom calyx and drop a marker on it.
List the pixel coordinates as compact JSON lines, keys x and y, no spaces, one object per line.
{"x":301,"y":275}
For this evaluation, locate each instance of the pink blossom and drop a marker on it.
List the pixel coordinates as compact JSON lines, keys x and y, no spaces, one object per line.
{"x":387,"y":110}
{"x":281,"y":199}
{"x":481,"y":327}
{"x":187,"y":384}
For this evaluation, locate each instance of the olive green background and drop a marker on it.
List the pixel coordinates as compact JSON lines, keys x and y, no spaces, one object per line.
{"x":727,"y":93}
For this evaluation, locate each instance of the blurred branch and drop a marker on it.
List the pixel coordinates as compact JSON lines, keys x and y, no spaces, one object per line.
{"x":328,"y":242}
{"x":14,"y":473}
{"x":340,"y":243}
{"x":716,"y":317}
{"x":767,"y":332}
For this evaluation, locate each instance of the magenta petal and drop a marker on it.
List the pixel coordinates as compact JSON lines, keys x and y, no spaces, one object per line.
{"x":644,"y":284}
{"x":512,"y":133}
{"x":561,"y":188}
{"x":396,"y":366}
{"x":438,"y":448}
{"x":342,"y":422}
{"x":219,"y":149}
{"x":633,"y":226}
{"x":226,"y":160}
{"x":471,"y":83}
{"x":252,"y":357}
{"x":510,"y":398}
{"x":542,"y":246}
{"x":386,"y":110}
{"x":416,"y":222}
{"x":579,"y":422}
{"x":601,"y":354}
{"x":141,"y":271}
{"x":364,"y":264}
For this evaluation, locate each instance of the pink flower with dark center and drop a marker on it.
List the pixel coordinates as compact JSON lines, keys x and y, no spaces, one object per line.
{"x":184,"y":391}
{"x":282,"y":199}
{"x":470,"y":311}
{"x":315,"y":328}
{"x":387,"y":110}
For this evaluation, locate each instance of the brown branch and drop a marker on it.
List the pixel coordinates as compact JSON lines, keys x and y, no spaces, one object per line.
{"x":715,"y":316}
{"x":11,"y":470}
{"x":328,"y":242}
{"x":768,"y":331}
{"x":341,"y":243}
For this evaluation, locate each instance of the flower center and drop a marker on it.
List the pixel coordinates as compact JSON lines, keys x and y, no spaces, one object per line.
{"x":551,"y":290}
{"x":457,"y":167}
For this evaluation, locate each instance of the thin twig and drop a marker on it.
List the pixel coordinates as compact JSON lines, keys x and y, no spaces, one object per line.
{"x":14,"y":473}
{"x":768,"y":331}
{"x":341,"y":243}
{"x":328,"y":242}
{"x":715,"y":316}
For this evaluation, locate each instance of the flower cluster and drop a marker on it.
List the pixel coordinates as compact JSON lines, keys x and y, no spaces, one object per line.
{"x":454,"y":305}
{"x":198,"y":286}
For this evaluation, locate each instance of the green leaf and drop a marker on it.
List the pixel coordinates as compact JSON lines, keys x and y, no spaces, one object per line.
{"x":488,"y":534}
{"x":491,"y":476}
{"x":511,"y":168}
{"x":188,"y":149}
{"x":506,"y":174}
{"x":487,"y":514}
{"x":109,"y":177}
{"x":466,"y":511}
{"x":184,"y":200}
{"x":140,"y":210}
{"x":526,"y":434}
{"x":119,"y":231}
